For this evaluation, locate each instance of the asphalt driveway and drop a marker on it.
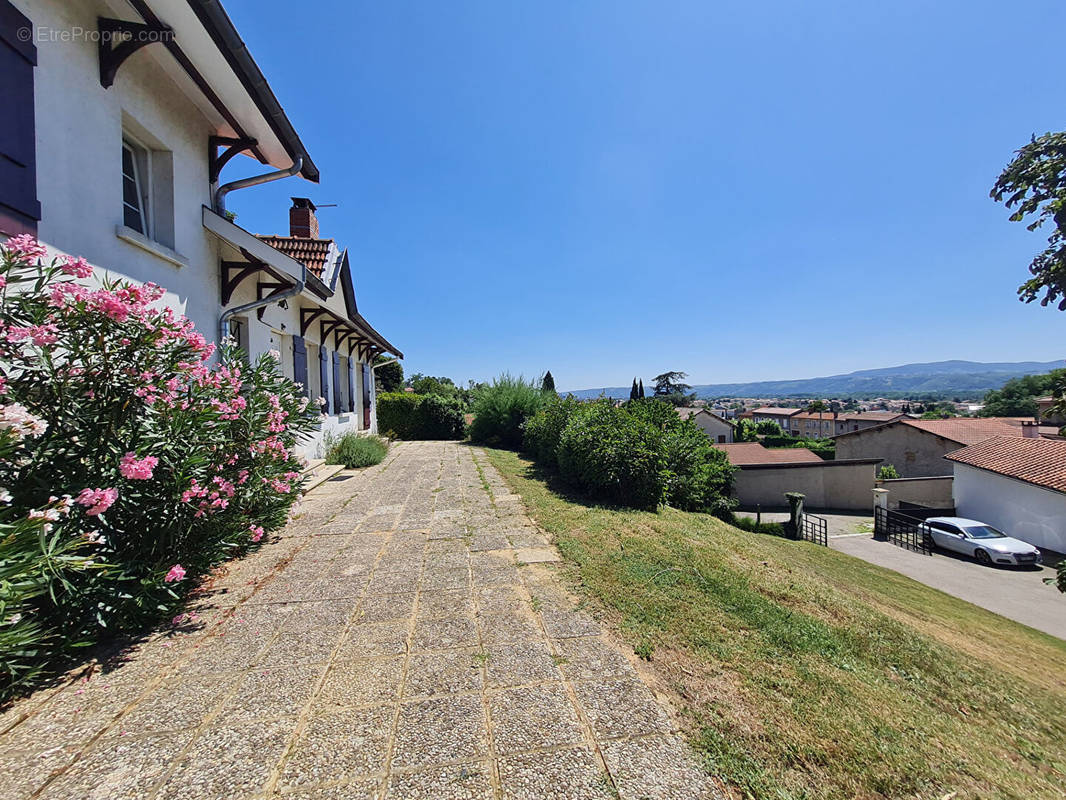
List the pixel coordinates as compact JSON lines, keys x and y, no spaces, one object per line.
{"x":1014,"y":592}
{"x":1017,"y":593}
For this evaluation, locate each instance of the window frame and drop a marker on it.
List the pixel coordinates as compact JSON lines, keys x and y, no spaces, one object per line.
{"x":141,"y":159}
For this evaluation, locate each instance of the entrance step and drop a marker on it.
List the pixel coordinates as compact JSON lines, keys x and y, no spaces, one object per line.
{"x":321,"y":473}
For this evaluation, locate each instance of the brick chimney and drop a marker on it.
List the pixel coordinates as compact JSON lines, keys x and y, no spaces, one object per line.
{"x":302,"y":219}
{"x":1030,"y":430}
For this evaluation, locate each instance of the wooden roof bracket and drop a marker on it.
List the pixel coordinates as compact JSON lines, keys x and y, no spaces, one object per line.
{"x":128,"y":38}
{"x":234,"y":145}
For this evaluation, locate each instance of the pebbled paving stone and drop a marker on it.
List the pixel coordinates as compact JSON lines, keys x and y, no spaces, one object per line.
{"x":406,"y":637}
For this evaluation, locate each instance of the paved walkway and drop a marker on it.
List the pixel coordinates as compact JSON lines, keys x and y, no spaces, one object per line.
{"x":405,"y":638}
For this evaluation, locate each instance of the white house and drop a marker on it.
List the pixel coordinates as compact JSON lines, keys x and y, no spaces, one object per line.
{"x":1015,"y":484}
{"x":119,"y":119}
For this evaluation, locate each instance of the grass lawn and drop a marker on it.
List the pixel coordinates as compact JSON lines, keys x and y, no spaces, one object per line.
{"x":801,"y":672}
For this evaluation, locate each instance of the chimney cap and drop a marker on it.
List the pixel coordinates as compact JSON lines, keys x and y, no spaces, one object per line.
{"x":303,"y":202}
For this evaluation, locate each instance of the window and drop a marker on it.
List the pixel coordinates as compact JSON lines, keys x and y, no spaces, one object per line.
{"x":135,"y":187}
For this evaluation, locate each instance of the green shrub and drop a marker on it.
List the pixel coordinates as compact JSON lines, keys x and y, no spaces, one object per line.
{"x":441,"y":418}
{"x":501,"y":409}
{"x":130,"y":467}
{"x":543,"y":430}
{"x":769,"y":427}
{"x":612,"y":455}
{"x":887,"y":472}
{"x":748,"y":524}
{"x":404,"y":415}
{"x":824,"y":448}
{"x":698,"y":475}
{"x":354,"y":451}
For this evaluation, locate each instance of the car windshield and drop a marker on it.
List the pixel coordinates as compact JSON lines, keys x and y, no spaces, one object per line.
{"x":984,"y":532}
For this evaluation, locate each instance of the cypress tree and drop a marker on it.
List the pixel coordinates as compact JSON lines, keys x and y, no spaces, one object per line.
{"x":640,"y":388}
{"x":548,"y":384}
{"x":633,"y":395}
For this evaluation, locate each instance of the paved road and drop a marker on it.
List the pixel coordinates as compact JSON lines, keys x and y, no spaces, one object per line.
{"x":1016,"y":593}
{"x":406,"y":638}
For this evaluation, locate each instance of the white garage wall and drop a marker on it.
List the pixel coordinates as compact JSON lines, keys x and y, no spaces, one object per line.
{"x":1021,"y":510}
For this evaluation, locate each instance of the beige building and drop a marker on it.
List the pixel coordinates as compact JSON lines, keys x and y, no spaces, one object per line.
{"x":766,"y":474}
{"x":717,"y":428}
{"x":774,"y":414}
{"x":916,"y":447}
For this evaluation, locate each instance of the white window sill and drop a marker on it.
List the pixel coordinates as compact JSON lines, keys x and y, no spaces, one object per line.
{"x":158,"y":250}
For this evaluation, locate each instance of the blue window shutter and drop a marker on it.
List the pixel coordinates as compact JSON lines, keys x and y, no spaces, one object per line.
{"x":19,"y":208}
{"x":299,"y":363}
{"x":336,"y":382}
{"x":367,"y":377}
{"x":351,"y":383}
{"x":323,"y":374}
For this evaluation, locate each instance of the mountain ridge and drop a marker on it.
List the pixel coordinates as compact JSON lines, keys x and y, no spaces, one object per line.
{"x":952,"y":376}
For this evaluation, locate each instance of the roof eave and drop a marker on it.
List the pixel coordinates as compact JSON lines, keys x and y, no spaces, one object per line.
{"x":222,"y":31}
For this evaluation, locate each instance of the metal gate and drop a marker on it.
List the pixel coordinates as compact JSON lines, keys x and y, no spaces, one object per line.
{"x":900,"y":529}
{"x":814,"y":529}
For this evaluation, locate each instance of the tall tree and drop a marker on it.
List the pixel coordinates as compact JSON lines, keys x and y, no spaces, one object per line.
{"x":640,"y":387}
{"x":634,"y":393}
{"x":1035,"y":183}
{"x":388,"y":376}
{"x":671,"y":383}
{"x":548,"y":384}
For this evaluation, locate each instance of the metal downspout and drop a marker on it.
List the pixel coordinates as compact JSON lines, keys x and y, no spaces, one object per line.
{"x":220,"y":209}
{"x":223,"y":321}
{"x":255,"y":180}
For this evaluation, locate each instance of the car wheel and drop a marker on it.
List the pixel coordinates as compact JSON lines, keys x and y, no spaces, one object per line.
{"x":983,"y":558}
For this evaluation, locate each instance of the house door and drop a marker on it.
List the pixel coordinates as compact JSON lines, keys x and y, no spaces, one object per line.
{"x":368,"y":376}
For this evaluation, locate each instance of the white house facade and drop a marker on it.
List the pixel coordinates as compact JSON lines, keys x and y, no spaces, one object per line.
{"x":120,"y":118}
{"x":1017,"y":485}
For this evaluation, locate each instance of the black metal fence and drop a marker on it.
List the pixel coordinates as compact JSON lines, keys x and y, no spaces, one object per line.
{"x":814,"y":529}
{"x":901,"y":529}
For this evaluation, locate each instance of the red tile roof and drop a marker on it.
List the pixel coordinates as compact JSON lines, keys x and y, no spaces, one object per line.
{"x":1041,"y":462}
{"x":311,"y":252}
{"x":776,"y":411}
{"x":874,"y":416}
{"x":751,"y":453}
{"x":970,"y":430}
{"x":964,"y":430}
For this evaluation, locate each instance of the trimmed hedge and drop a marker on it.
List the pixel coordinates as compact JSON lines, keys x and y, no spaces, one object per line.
{"x":640,"y":455}
{"x":404,"y":415}
{"x":612,"y":455}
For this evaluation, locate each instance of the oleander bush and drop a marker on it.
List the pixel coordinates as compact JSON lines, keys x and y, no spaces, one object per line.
{"x":131,"y":464}
{"x":410,"y":416}
{"x":355,"y":451}
{"x":502,"y":408}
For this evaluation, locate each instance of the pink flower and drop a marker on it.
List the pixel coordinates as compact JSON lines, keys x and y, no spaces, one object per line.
{"x":257,"y":532}
{"x":78,"y":267}
{"x":96,"y":501}
{"x":25,"y":245}
{"x":177,"y":572}
{"x":137,"y":470}
{"x":44,"y":334}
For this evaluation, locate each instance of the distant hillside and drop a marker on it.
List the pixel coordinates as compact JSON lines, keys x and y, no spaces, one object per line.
{"x":959,"y":377}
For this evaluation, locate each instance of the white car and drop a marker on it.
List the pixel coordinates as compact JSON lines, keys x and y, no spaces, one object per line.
{"x":981,"y":541}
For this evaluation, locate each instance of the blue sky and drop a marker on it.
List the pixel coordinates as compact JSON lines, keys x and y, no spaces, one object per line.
{"x":608,"y":189}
